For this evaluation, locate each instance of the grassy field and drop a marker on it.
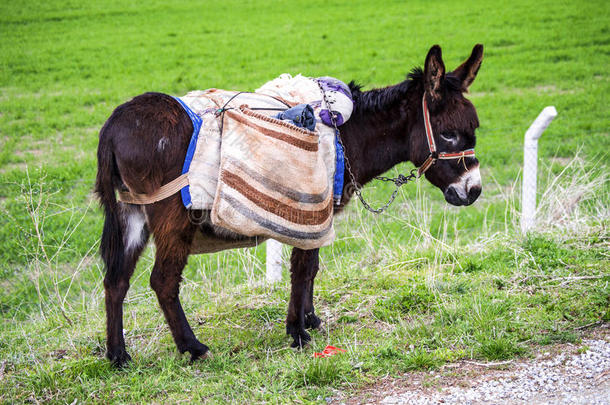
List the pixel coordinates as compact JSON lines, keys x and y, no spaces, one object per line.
{"x":420,"y":286}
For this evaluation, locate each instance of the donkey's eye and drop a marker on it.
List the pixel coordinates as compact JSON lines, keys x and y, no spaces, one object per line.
{"x":450,"y":136}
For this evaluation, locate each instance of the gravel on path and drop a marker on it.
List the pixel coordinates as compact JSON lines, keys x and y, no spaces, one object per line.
{"x":567,"y":375}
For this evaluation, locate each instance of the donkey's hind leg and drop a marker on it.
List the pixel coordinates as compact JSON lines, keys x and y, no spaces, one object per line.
{"x":173,"y":237}
{"x":116,"y":283}
{"x":303,"y":268}
{"x":311,"y":319}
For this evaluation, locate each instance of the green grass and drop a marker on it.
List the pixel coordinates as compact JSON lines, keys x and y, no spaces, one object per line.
{"x":420,"y":286}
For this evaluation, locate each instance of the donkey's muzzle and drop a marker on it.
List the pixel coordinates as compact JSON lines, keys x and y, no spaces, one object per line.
{"x":466,"y":190}
{"x":454,"y":197}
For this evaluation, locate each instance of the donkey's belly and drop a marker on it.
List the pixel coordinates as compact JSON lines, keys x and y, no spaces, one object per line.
{"x":210,"y":239}
{"x":210,"y":244}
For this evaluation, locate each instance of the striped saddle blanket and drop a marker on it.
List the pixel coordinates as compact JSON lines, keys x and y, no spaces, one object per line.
{"x":259,"y":175}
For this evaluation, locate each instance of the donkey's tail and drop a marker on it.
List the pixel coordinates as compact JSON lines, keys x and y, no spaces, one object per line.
{"x":107,"y":181}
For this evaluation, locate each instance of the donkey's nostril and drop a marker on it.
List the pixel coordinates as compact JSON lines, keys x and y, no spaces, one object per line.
{"x":452,"y":197}
{"x":473,"y":194}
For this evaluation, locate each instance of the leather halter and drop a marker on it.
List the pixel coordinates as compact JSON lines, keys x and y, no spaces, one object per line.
{"x":434,"y":155}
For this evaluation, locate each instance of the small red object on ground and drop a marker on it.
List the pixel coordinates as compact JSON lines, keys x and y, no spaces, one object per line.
{"x":328,"y":351}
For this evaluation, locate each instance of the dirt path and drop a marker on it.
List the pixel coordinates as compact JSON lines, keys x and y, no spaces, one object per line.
{"x":557,"y":374}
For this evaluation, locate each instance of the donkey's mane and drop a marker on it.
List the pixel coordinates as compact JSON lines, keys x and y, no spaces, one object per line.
{"x":376,"y":100}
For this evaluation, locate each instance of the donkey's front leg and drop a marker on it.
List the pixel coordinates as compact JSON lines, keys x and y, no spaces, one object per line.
{"x":303,"y":268}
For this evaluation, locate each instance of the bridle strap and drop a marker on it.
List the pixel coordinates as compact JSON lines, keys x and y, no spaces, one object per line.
{"x":434,"y":155}
{"x":428,"y":125}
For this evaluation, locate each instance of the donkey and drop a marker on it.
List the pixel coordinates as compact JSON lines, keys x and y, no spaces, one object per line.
{"x":143,"y":145}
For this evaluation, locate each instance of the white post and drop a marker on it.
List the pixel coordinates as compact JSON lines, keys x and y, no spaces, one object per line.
{"x":274,"y":261}
{"x":530,"y":167}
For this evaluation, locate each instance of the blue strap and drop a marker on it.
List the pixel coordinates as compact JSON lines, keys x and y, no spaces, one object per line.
{"x":339,"y":171}
{"x":197,"y":121}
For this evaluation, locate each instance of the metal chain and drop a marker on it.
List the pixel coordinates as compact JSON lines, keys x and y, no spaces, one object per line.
{"x":398,"y":181}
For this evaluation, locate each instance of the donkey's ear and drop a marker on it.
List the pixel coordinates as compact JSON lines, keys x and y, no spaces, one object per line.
{"x":469,"y":69}
{"x":434,"y":73}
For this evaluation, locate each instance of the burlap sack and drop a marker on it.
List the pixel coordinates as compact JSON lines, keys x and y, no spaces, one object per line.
{"x":272,"y":181}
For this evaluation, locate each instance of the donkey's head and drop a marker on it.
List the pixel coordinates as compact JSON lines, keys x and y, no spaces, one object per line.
{"x":450,"y":120}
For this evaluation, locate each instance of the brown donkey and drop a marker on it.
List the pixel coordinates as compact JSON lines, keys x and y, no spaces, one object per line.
{"x":143,"y":144}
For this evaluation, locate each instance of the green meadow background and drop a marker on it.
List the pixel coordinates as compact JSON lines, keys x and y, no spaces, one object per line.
{"x":420,"y":286}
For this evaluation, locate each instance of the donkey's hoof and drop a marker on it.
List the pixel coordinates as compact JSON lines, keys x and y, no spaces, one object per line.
{"x":300,"y":336}
{"x":312,"y":321}
{"x":119,"y":358}
{"x":198,"y":351}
